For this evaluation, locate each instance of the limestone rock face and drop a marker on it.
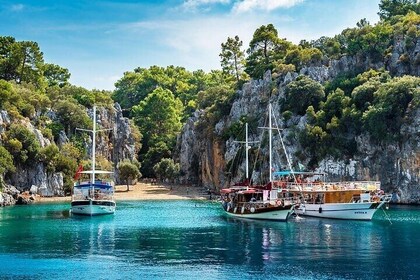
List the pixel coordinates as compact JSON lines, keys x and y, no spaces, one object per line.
{"x":8,"y":196}
{"x":403,"y":60}
{"x":205,"y":157}
{"x":118,"y":143}
{"x":114,"y":145}
{"x":187,"y":145}
{"x":6,"y":199}
{"x":4,"y":121}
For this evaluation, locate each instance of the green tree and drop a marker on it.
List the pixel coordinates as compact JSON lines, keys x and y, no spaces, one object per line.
{"x":128,"y":171}
{"x":166,"y":169}
{"x":385,"y":117}
{"x":335,"y":104}
{"x":72,"y":115}
{"x":232,"y":57}
{"x":7,"y":94}
{"x":333,"y":48}
{"x":302,"y":93}
{"x":263,"y":51}
{"x":6,"y":164}
{"x":31,"y":61}
{"x":390,"y":8}
{"x":49,"y":156}
{"x":66,"y":162}
{"x":159,"y":118}
{"x":22,"y":144}
{"x":56,"y":75}
{"x":153,"y":155}
{"x":363,"y":95}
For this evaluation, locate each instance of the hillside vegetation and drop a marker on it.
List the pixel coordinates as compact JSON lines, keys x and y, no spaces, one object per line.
{"x":373,"y":100}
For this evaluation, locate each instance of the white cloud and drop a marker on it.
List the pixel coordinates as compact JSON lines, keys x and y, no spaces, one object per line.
{"x":195,"y":43}
{"x":266,"y":5}
{"x":17,"y":7}
{"x":194,"y":4}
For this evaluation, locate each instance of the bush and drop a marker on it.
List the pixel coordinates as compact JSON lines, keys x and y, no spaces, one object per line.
{"x":301,"y":93}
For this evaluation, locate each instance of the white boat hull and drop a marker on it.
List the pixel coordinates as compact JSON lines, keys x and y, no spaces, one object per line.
{"x":93,"y":207}
{"x":275,"y":215}
{"x":345,"y":211}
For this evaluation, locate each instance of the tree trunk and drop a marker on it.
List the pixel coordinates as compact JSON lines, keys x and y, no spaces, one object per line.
{"x":128,"y":186}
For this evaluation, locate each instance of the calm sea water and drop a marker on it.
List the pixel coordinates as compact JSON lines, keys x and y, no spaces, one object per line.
{"x":194,"y":240}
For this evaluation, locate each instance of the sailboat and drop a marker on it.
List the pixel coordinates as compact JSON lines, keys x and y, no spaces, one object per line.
{"x":93,"y":197}
{"x":260,"y":202}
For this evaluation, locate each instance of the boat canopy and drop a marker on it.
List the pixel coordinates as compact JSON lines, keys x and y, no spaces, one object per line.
{"x":249,"y":191}
{"x":98,"y":185}
{"x":96,"y":172}
{"x":226,"y":190}
{"x":289,"y":172}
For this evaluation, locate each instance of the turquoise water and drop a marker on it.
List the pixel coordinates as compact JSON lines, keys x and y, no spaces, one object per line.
{"x":194,"y":240}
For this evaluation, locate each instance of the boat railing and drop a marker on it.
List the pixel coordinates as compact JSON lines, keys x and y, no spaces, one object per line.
{"x":332,"y":186}
{"x":83,"y":194}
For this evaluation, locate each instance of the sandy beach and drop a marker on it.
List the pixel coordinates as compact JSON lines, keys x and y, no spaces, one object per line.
{"x":145,"y":191}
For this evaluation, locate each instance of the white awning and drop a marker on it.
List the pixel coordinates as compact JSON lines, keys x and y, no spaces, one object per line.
{"x":97,"y":172}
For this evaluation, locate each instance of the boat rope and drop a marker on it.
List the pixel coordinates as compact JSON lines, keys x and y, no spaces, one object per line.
{"x":386,"y":216}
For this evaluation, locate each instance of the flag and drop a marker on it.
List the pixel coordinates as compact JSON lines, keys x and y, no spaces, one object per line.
{"x":78,"y":172}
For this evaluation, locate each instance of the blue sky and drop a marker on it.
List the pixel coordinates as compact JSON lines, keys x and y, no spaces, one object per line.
{"x":100,"y":40}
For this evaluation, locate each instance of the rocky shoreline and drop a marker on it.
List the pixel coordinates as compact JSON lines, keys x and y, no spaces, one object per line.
{"x":11,"y":196}
{"x":140,"y":191}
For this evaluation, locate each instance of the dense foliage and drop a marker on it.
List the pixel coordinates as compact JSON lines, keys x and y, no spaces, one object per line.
{"x":37,"y":96}
{"x":161,"y":99}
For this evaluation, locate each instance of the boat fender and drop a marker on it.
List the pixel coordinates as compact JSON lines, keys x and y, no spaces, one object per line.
{"x":320,"y":209}
{"x":228,"y":208}
{"x":252,"y":209}
{"x":243,"y":209}
{"x":278,"y":202}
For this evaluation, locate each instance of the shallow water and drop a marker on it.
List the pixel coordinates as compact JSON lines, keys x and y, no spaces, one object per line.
{"x":193,"y":239}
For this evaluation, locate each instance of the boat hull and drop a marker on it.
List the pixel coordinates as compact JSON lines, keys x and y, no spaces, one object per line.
{"x":345,"y":211}
{"x":280,"y":215}
{"x":93,"y":207}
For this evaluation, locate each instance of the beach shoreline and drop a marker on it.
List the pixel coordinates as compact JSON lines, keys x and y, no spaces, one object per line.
{"x":143,"y":191}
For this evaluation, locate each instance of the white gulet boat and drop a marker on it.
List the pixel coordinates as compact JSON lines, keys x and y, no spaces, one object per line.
{"x":355,"y":200}
{"x":94,"y":197}
{"x":260,"y":202}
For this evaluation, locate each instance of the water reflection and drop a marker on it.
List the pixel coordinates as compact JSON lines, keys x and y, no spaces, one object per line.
{"x":188,"y":236}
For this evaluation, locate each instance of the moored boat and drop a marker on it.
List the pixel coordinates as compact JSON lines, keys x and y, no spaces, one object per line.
{"x":93,"y":197}
{"x":253,"y":203}
{"x":355,"y":200}
{"x":260,"y":202}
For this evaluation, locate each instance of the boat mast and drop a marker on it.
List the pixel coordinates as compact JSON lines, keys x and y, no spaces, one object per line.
{"x":270,"y":140}
{"x":247,"y":147}
{"x":246,"y":151}
{"x":93,"y":145}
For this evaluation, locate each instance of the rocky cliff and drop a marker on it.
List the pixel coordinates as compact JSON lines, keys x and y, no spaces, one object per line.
{"x":114,"y":145}
{"x":204,"y":156}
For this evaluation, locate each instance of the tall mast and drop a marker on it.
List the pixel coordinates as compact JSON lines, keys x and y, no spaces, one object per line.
{"x":246,"y":150}
{"x":93,"y":144}
{"x":269,"y":139}
{"x":247,"y":147}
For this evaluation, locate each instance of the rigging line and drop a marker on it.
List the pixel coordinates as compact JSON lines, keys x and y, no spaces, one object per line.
{"x":259,"y":152}
{"x":284,"y":149}
{"x":386,"y":216}
{"x":237,"y":158}
{"x":287,"y":157}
